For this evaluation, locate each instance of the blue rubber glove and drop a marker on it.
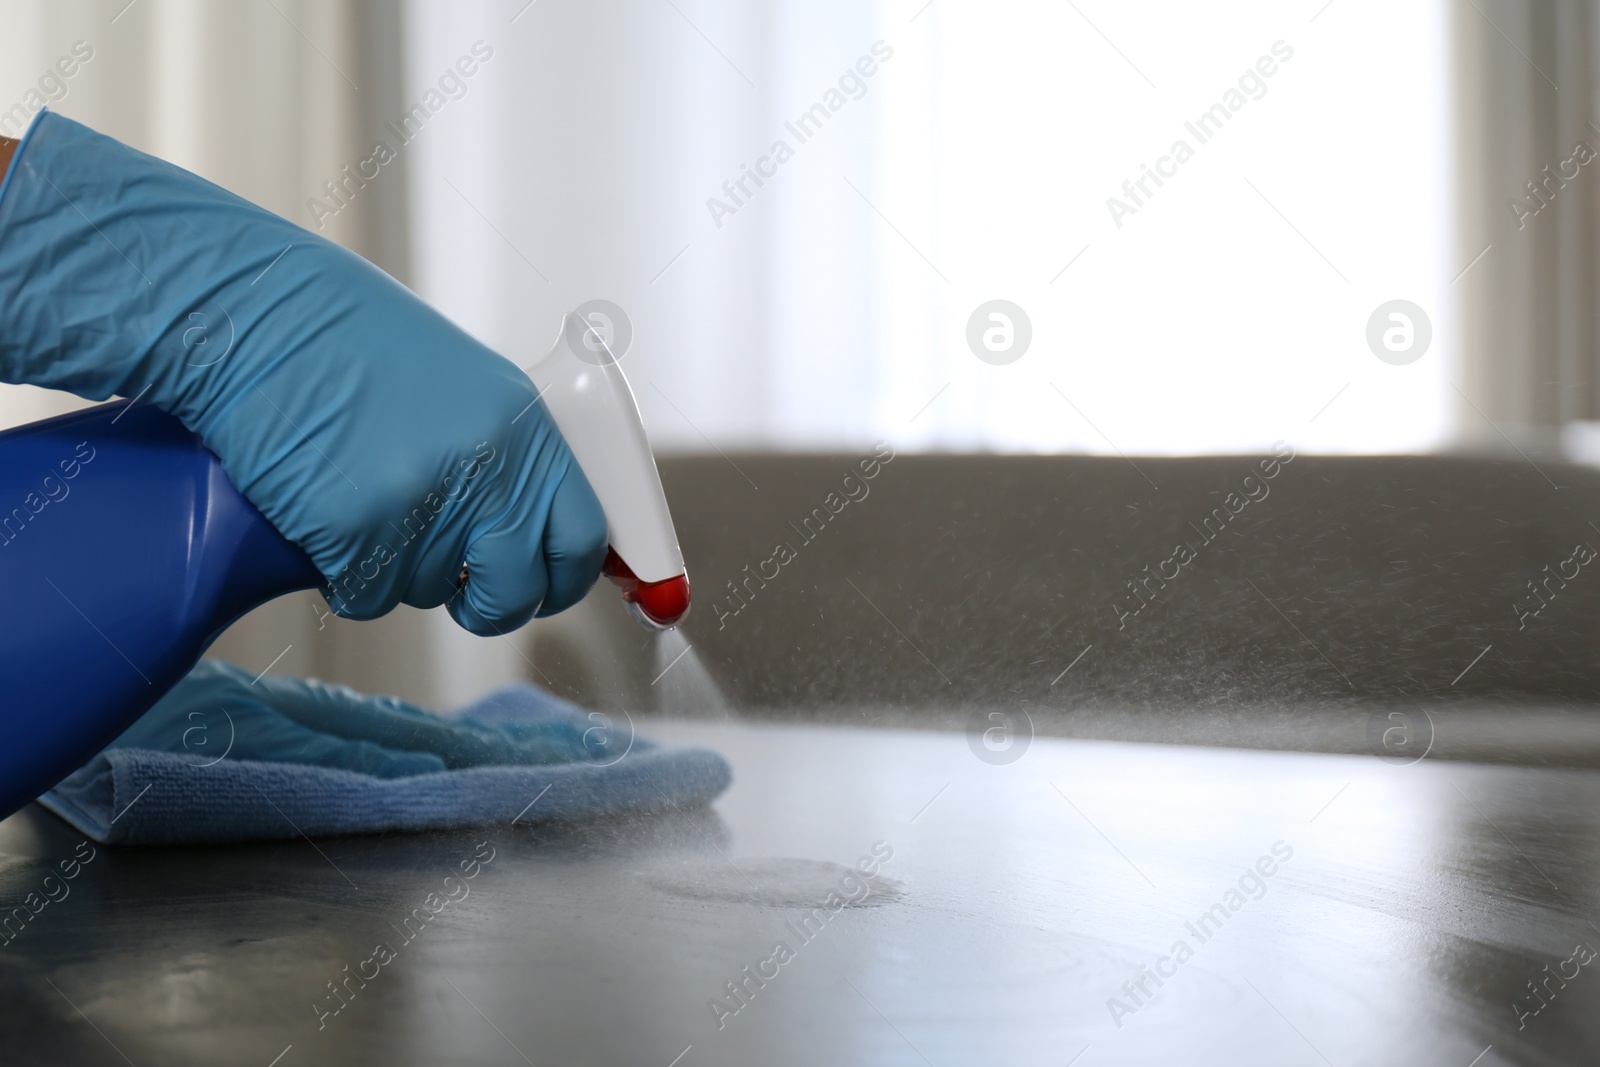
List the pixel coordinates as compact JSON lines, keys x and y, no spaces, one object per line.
{"x":217,"y":712}
{"x":389,"y":445}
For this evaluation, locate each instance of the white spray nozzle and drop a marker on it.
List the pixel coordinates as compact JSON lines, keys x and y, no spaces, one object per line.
{"x":588,"y":396}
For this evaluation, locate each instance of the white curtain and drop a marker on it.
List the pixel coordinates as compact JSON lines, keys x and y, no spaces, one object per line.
{"x":1528,"y":87}
{"x":829,"y":306}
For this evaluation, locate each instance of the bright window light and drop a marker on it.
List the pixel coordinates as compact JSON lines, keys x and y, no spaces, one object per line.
{"x":1198,"y":208}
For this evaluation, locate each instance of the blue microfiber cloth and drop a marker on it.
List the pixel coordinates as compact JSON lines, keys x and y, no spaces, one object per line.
{"x":146,"y":796}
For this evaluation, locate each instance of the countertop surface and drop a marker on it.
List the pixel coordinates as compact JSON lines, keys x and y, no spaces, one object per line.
{"x":1292,"y":908}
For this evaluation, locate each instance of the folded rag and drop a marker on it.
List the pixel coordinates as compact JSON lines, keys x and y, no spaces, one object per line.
{"x":146,"y":796}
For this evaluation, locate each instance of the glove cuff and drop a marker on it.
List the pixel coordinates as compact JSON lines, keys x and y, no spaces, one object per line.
{"x":122,"y":274}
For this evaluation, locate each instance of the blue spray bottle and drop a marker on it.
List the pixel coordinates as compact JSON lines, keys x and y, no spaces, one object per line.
{"x":125,"y":551}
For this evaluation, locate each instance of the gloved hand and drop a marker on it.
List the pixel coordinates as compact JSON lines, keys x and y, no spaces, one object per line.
{"x":383,"y":440}
{"x":217,"y":712}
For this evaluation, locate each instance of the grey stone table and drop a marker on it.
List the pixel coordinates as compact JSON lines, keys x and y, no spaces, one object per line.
{"x":1331,"y":910}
